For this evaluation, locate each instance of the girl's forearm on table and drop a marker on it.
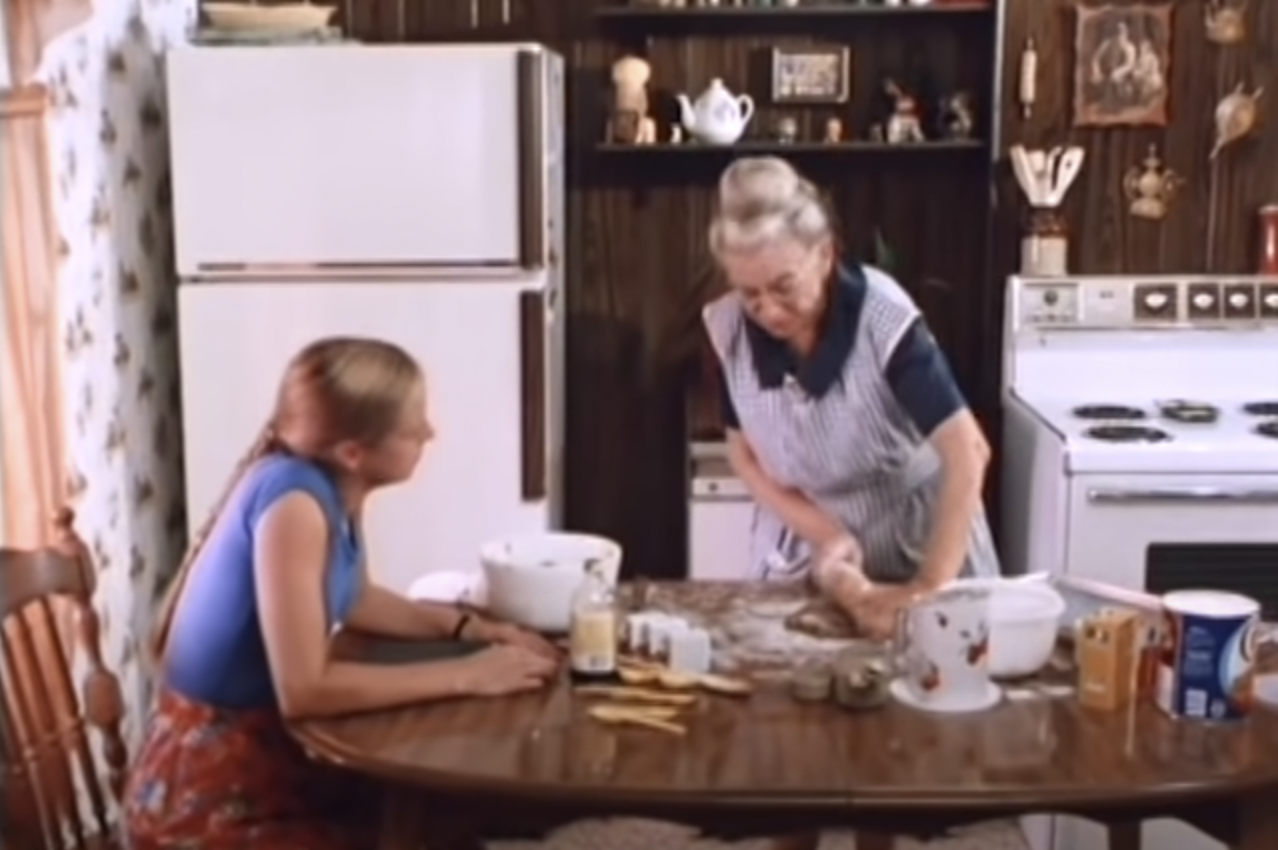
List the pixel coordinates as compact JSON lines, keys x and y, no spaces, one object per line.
{"x":348,"y":687}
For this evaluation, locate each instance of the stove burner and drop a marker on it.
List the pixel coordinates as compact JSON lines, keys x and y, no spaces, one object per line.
{"x":1268,"y":428}
{"x":1127,"y":434}
{"x":1190,"y":412}
{"x":1108,"y":411}
{"x":1261,"y":408}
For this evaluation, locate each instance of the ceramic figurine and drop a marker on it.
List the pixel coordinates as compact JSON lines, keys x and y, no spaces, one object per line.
{"x":676,"y":135}
{"x":1225,"y":21}
{"x":787,"y":129}
{"x":630,"y":123}
{"x":958,"y":120}
{"x":903,"y":125}
{"x":1150,"y":187}
{"x":718,"y":117}
{"x":833,"y":132}
{"x":1235,"y":117}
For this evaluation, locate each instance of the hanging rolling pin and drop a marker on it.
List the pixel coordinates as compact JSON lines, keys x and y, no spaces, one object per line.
{"x":1028,"y":88}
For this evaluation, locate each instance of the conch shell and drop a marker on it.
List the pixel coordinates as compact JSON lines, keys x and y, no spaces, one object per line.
{"x":1235,"y":117}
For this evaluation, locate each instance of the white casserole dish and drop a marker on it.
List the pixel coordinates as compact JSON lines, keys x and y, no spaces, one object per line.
{"x":1025,"y":617}
{"x":531,"y":579}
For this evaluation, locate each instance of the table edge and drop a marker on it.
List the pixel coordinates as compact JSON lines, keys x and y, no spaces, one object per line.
{"x":1030,"y":800}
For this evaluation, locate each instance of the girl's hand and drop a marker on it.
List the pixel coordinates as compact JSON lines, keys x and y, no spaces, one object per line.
{"x":505,"y":669}
{"x":507,"y":634}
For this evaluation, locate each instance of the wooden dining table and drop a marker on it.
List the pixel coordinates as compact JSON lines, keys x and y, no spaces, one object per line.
{"x":769,"y":765}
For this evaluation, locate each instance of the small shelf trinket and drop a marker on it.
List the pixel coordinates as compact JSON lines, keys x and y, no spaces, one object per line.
{"x":1150,"y":187}
{"x":958,"y":116}
{"x":786,"y":130}
{"x":903,"y":124}
{"x":630,"y":123}
{"x":1225,"y":21}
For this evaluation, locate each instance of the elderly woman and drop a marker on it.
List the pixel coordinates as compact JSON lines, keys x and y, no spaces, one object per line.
{"x":842,"y":416}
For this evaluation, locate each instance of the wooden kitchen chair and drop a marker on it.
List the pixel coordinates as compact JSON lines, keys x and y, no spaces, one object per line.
{"x":60,"y":786}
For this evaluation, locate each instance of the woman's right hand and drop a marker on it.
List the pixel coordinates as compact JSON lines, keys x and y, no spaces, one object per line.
{"x":837,"y":567}
{"x":507,"y":669}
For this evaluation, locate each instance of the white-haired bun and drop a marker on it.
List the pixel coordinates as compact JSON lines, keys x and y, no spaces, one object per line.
{"x":762,"y":199}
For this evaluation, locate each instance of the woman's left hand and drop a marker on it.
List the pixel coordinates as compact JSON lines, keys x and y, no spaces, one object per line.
{"x":512,"y":635}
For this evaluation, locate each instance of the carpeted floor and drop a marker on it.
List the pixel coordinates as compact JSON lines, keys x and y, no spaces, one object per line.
{"x":633,"y":834}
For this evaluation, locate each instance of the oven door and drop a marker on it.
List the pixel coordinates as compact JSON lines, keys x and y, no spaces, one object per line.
{"x":1160,"y":533}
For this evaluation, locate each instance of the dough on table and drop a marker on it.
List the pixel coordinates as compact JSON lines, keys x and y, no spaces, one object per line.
{"x":822,"y":619}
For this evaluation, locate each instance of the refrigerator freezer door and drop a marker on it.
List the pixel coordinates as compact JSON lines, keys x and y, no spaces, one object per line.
{"x":353,"y":156}
{"x":481,"y":477}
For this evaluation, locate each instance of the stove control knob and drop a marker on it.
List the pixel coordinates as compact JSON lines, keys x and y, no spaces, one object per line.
{"x":1203,"y":301}
{"x":1156,"y":300}
{"x":1239,"y":300}
{"x":1050,"y":298}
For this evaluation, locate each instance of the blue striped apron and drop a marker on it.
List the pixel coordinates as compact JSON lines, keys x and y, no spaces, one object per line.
{"x":854,"y":451}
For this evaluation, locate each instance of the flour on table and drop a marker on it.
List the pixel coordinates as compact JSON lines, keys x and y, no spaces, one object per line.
{"x":753,"y":634}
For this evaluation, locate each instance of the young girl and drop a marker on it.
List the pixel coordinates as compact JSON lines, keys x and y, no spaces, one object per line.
{"x":243,"y":637}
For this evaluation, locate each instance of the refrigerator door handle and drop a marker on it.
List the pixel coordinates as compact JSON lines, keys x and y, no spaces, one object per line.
{"x":532,"y":159}
{"x":534,"y":471}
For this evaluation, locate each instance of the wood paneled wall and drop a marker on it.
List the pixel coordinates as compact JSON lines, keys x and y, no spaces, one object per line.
{"x":1212,"y":225}
{"x":638,"y":264}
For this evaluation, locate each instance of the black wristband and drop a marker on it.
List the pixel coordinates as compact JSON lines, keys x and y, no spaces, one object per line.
{"x":462,"y":623}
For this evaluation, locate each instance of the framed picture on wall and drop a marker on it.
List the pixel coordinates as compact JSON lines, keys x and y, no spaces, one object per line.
{"x":1122,"y":64}
{"x":811,"y":75}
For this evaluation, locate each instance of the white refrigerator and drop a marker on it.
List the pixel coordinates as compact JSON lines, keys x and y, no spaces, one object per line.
{"x":412,"y":193}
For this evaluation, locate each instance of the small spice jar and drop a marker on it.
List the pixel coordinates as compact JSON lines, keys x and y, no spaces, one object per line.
{"x":1267,"y":261}
{"x":1045,"y":245}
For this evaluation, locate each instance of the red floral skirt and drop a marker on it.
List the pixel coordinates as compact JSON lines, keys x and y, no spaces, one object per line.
{"x":209,"y":779}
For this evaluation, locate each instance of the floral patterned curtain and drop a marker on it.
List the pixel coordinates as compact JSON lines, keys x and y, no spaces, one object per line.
{"x":32,"y":428}
{"x":31,"y":421}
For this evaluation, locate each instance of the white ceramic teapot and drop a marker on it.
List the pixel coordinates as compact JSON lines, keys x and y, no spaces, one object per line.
{"x":718,"y":117}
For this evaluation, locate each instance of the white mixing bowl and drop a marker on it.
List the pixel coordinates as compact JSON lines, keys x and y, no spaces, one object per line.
{"x":531,"y":579}
{"x":1025,"y":616}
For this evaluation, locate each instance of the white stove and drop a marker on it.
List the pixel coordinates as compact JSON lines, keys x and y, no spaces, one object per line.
{"x":1207,"y":434}
{"x":1140,"y":446}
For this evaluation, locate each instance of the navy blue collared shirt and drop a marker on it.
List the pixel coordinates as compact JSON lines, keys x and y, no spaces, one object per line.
{"x":917,"y":370}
